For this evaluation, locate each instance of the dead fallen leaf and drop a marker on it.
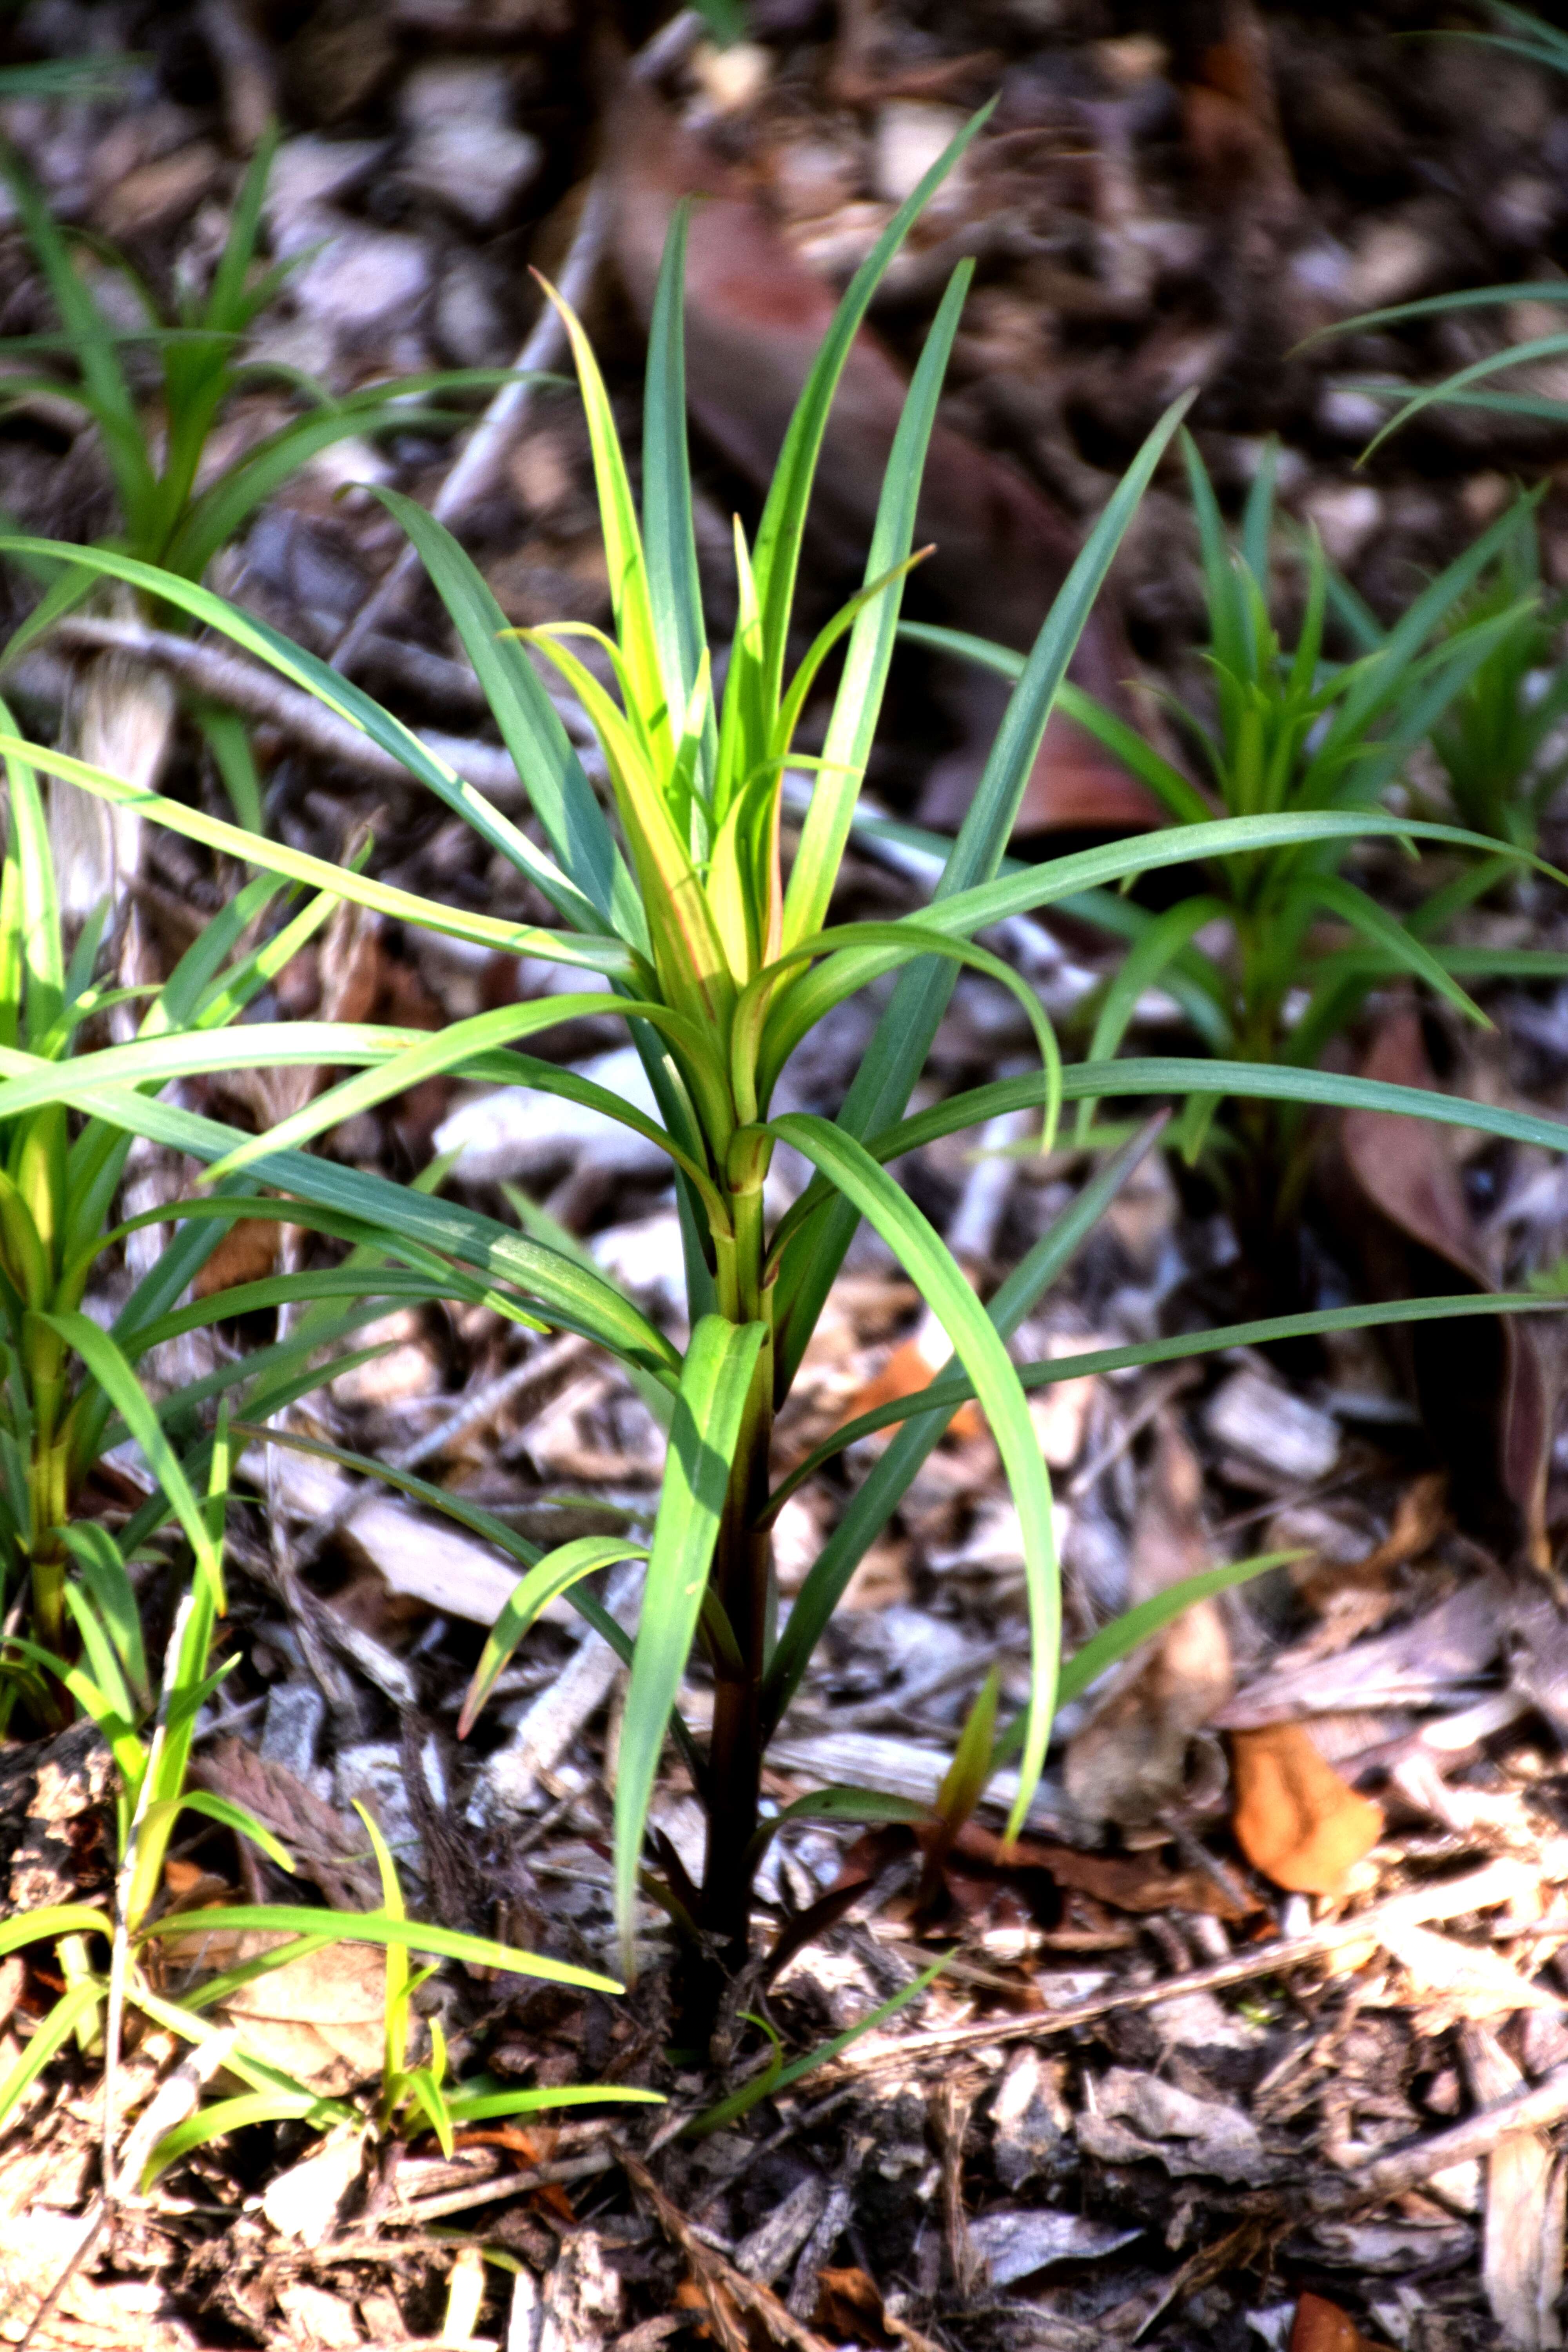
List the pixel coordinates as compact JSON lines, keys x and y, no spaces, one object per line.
{"x":1470,"y":1378}
{"x":323,"y":1842}
{"x":1459,"y":1979}
{"x":1433,"y":1661}
{"x":1136,"y":2117}
{"x":1135,"y":1882}
{"x":755,"y":317}
{"x":302,"y":2202}
{"x":1129,"y":1763}
{"x":247,"y":1252}
{"x":850,"y":2307}
{"x":1231,"y":117}
{"x":907,"y":1371}
{"x":322,"y":2018}
{"x":1294,"y":1818}
{"x":1322,"y":2327}
{"x":316,"y":2321}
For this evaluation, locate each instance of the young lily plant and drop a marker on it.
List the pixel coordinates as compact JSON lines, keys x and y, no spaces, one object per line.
{"x":1276,"y":952}
{"x":722,"y":957}
{"x":69,"y":1389}
{"x":110,"y":1958}
{"x":176,"y":509}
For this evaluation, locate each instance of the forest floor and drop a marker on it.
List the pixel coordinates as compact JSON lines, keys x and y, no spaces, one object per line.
{"x":1260,"y":2037}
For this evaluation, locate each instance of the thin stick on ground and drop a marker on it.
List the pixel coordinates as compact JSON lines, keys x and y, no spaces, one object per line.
{"x":492,"y":439}
{"x":1497,"y":1883}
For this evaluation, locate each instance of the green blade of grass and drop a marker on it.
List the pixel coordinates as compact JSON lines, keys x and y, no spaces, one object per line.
{"x":552,"y":773}
{"x":478,"y":2107}
{"x":339,"y":695}
{"x":1137,"y":1625}
{"x":375,"y":1927}
{"x":556,"y":1573}
{"x":1175,"y":790}
{"x":588,"y":952}
{"x":1176,"y":1074}
{"x":669,"y":537}
{"x":780,"y":2078}
{"x":48,"y":2037}
{"x":1026,"y":891}
{"x":1354,"y":907}
{"x":130,"y":1401}
{"x":567,"y":1292}
{"x":92,"y":343}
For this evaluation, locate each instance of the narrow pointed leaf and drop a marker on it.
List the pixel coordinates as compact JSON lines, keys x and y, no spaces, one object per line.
{"x":978,"y":1344}
{"x":715,"y":1379}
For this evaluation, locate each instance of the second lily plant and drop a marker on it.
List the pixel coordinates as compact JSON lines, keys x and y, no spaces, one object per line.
{"x":721,"y":963}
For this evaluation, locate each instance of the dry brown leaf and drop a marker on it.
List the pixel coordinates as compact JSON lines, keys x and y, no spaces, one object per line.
{"x":1138,"y":1882}
{"x":1322,"y":2327}
{"x":303,"y":2201}
{"x":247,"y":1252}
{"x":1482,"y":1385}
{"x":1129,"y":1763}
{"x":322,"y":2019}
{"x":850,"y":2307}
{"x":907,"y":1371}
{"x":321,"y":1841}
{"x":1294,"y":1818}
{"x":1462,"y":1979}
{"x":1231,"y":117}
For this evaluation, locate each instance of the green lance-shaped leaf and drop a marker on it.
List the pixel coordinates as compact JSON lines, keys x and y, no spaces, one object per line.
{"x":881,"y":1492}
{"x":1139,"y":1624}
{"x":589,"y":951}
{"x":48,"y":2037}
{"x":899,"y":1050}
{"x":559,"y":792}
{"x":1181,"y":1073}
{"x":669,"y":537}
{"x":130,"y":1401}
{"x":319,"y":1928}
{"x":393,"y":1217}
{"x":978,"y":1344}
{"x":433,"y":1055}
{"x":556,"y":1574}
{"x":1027,"y":888}
{"x":782,"y":526}
{"x":339,"y":695}
{"x":943,"y":1398}
{"x":1134,"y":1626}
{"x":859,"y":702}
{"x":479,"y":2102}
{"x":709,"y":1410}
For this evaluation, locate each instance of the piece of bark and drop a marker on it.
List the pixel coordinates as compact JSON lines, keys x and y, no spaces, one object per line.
{"x":754,"y":318}
{"x":1433,"y":1661}
{"x":1521,"y":2244}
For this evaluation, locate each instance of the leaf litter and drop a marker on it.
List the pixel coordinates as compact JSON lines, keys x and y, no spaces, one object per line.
{"x":1133,"y":2107}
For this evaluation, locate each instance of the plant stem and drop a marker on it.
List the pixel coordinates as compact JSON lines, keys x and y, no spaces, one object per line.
{"x":741,"y":1578}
